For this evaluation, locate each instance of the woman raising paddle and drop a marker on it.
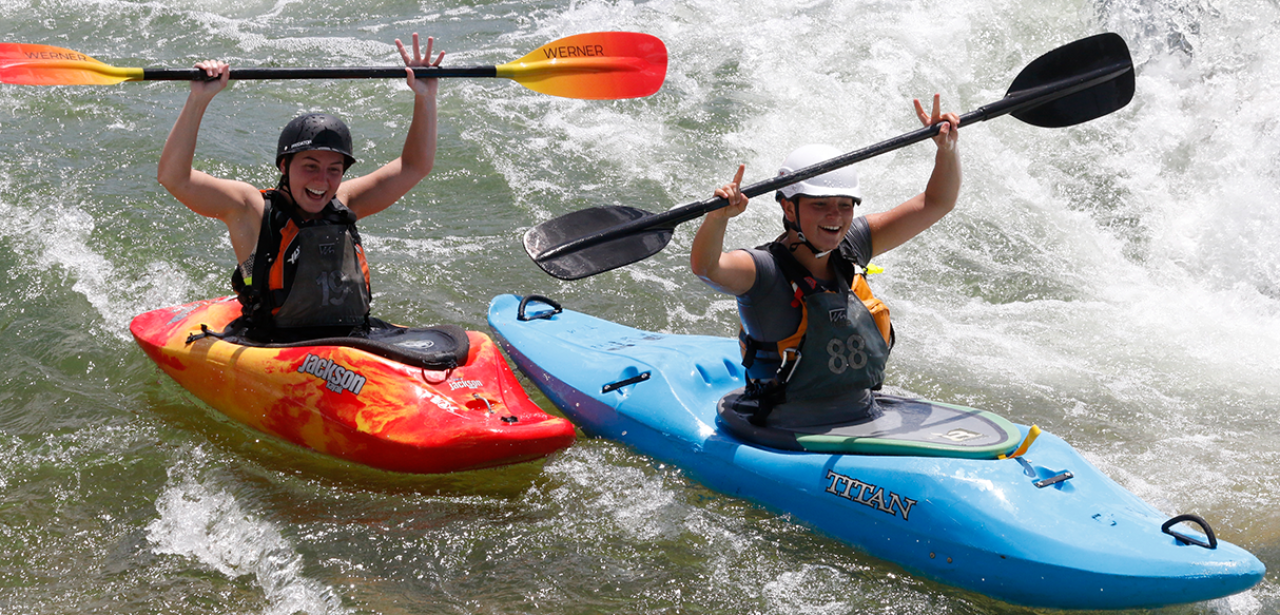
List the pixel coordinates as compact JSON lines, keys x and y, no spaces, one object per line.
{"x":814,"y":338}
{"x":302,"y":272}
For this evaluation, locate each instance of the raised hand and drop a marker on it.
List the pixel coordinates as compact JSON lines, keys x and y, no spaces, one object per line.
{"x":421,"y":87}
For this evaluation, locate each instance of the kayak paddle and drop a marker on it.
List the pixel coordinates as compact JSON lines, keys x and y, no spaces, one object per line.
{"x":598,"y":65}
{"x":1075,"y":83}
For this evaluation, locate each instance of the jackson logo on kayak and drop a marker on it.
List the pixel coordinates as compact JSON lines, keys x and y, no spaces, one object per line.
{"x":869,"y":495}
{"x":458,"y":383}
{"x":573,"y":51}
{"x":337,"y":378}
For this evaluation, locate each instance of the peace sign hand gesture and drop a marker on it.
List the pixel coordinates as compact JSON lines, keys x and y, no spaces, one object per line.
{"x":949,"y":133}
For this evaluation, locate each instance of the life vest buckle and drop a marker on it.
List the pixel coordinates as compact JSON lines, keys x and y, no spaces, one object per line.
{"x":788,"y":366}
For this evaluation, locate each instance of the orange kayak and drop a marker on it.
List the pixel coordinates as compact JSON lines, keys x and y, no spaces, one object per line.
{"x":352,"y":403}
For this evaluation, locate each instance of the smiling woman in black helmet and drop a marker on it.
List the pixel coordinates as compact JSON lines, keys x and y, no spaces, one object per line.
{"x":302,"y":272}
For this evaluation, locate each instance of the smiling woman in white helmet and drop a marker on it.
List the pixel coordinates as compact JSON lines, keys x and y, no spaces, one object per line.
{"x":814,"y":338}
{"x":304,"y":230}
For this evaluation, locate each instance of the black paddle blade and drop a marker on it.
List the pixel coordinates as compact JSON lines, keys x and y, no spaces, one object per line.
{"x":1070,"y":60}
{"x":1074,"y":83}
{"x":598,"y":258}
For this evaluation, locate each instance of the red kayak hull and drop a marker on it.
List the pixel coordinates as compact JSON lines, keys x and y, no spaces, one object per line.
{"x":353,"y":404}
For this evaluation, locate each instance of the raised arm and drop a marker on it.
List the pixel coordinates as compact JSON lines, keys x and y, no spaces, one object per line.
{"x":237,"y":204}
{"x":378,"y":190}
{"x":728,"y":272}
{"x":895,"y":227}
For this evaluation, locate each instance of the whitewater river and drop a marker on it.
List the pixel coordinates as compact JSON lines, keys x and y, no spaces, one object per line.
{"x":1116,"y":283}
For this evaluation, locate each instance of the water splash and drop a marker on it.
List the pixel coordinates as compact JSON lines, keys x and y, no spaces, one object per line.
{"x":55,"y":238}
{"x":208,"y":524}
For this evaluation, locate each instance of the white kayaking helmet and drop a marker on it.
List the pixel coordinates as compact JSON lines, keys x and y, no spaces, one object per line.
{"x":840,"y":182}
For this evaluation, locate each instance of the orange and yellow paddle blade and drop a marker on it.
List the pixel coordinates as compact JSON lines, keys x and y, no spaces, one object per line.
{"x":24,"y":64}
{"x":598,"y":66}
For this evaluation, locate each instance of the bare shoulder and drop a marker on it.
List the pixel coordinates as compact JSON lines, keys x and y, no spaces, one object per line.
{"x":243,"y":217}
{"x":214,"y":197}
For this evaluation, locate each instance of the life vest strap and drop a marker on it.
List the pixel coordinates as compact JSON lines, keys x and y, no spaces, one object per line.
{"x":761,"y":396}
{"x":261,"y":294}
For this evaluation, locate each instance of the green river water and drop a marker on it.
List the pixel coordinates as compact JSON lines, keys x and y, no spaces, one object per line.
{"x":1115,"y":283}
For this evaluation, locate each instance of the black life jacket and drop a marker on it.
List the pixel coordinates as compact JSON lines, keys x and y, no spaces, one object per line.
{"x":309,"y":276}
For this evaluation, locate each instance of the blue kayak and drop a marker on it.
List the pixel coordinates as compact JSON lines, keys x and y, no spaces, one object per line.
{"x":1044,"y":528}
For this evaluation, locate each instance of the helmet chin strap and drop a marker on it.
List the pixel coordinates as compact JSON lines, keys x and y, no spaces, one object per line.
{"x":286,"y":186}
{"x":284,"y":179}
{"x":795,"y":207}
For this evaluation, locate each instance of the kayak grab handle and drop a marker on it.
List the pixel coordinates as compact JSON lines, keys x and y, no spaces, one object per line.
{"x":204,"y":332}
{"x":556,"y":309}
{"x":613,"y":386}
{"x":1191,"y":540}
{"x":1053,"y":480}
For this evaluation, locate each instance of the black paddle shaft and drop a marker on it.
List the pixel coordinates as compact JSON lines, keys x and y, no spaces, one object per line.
{"x":354,"y":72}
{"x":1011,"y":103}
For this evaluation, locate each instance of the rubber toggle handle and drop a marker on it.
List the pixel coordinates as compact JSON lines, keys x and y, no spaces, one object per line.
{"x":1191,"y":540}
{"x":520,"y":316}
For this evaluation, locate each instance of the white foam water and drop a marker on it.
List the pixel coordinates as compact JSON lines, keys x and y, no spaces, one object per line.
{"x":208,"y":524}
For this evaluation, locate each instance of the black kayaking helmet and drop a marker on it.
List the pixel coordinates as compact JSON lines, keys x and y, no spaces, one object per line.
{"x":315,"y":131}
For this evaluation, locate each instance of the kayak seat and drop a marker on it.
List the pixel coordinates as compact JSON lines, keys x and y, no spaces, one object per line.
{"x":441,"y":347}
{"x":894,"y":426}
